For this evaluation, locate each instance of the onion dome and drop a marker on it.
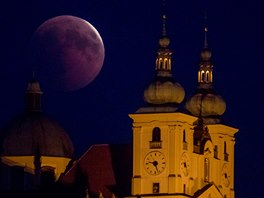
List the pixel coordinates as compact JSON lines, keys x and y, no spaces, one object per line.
{"x":33,"y":131}
{"x":167,"y":92}
{"x":163,"y":90}
{"x":206,"y":102}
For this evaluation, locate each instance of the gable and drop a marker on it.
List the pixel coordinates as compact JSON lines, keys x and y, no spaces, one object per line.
{"x":208,"y":191}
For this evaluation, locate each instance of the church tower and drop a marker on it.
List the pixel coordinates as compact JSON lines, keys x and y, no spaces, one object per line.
{"x":213,"y":142}
{"x":161,"y":134}
{"x":177,"y":154}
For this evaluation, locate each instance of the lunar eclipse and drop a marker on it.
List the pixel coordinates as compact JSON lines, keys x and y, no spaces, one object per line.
{"x":67,"y":52}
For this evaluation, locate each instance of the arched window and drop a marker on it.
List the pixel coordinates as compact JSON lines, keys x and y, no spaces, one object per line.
{"x":160,"y":63}
{"x":207,"y":76}
{"x":165,"y":67}
{"x":156,"y":134}
{"x":202,"y":76}
{"x":206,"y":169}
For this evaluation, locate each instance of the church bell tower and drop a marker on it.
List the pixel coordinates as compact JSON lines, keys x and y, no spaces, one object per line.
{"x":177,"y":154}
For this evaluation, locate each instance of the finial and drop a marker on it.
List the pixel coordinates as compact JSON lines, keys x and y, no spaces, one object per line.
{"x":164,"y":6}
{"x":164,"y":40}
{"x":164,"y":17}
{"x":205,"y":31}
{"x":164,"y":25}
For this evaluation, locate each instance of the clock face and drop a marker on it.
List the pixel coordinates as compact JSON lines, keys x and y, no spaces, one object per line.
{"x":155,"y":163}
{"x":225,"y":176}
{"x":185,"y":164}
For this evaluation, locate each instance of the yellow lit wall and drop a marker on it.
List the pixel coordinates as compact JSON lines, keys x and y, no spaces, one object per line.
{"x":185,"y":172}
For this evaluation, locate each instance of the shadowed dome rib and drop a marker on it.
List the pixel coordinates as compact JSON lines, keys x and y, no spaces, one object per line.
{"x":34,"y":131}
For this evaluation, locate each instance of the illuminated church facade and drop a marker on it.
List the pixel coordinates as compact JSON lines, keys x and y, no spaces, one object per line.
{"x":179,"y":154}
{"x":175,"y":153}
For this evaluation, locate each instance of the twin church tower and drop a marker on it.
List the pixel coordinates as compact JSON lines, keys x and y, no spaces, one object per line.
{"x":179,"y":154}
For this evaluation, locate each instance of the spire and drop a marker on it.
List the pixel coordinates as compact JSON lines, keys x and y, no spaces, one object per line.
{"x":164,"y":41}
{"x":205,"y":31}
{"x":205,"y":103}
{"x":164,"y":33}
{"x":205,"y":73}
{"x":163,"y":94}
{"x":163,"y":59}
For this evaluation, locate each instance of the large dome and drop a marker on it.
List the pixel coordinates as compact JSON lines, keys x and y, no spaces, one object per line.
{"x":34,"y":132}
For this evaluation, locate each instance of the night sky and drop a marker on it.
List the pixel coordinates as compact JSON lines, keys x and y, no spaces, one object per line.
{"x":130,"y":31}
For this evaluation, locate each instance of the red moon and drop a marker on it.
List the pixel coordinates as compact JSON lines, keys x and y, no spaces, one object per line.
{"x":67,"y":52}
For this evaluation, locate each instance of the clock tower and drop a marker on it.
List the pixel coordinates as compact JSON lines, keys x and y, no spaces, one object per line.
{"x":179,"y":154}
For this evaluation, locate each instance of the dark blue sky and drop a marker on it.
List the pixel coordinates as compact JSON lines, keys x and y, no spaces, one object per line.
{"x":130,"y":30}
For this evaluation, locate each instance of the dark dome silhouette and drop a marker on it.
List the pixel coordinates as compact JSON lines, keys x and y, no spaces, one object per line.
{"x":34,"y":132}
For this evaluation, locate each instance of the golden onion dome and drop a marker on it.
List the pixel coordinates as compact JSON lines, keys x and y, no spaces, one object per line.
{"x":164,"y":93}
{"x":206,"y":105}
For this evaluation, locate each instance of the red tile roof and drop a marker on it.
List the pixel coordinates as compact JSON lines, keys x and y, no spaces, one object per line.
{"x":104,"y":168}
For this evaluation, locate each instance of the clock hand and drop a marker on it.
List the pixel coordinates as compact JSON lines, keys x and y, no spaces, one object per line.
{"x":155,"y":163}
{"x":157,"y":168}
